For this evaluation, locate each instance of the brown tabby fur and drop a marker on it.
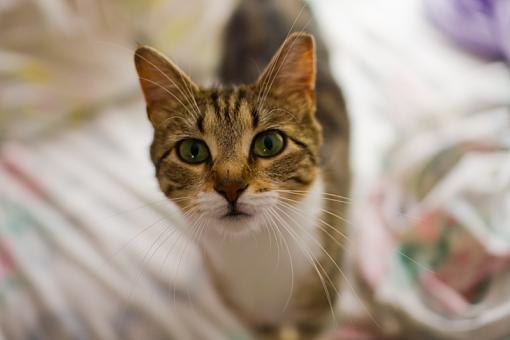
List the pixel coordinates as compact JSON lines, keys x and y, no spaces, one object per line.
{"x":293,"y":96}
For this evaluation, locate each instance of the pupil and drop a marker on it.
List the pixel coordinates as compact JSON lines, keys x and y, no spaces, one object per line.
{"x":194,"y":149}
{"x":268,"y":143}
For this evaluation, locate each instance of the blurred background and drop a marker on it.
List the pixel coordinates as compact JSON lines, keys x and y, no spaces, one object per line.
{"x":88,"y":248}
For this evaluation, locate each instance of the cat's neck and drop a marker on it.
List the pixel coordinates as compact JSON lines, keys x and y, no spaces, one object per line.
{"x":257,"y":273}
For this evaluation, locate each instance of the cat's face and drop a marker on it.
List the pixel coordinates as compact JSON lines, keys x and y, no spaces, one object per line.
{"x":227,"y":156}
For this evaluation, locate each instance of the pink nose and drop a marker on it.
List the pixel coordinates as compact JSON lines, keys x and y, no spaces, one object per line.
{"x":231,"y":190}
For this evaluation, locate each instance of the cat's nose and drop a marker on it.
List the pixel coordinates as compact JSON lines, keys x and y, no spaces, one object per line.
{"x":231,"y":190}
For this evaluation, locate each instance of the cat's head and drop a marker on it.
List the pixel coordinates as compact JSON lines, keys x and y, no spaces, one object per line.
{"x":227,"y":156}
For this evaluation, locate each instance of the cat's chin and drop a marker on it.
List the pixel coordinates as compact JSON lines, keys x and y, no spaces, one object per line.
{"x":234,"y":226}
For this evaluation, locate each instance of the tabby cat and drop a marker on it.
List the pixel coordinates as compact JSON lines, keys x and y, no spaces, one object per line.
{"x":259,"y":166}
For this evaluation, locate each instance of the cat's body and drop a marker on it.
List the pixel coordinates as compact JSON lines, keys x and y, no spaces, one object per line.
{"x":255,"y":31}
{"x":252,"y":169}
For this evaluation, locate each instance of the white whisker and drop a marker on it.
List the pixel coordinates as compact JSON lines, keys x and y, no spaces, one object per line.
{"x":346,"y":279}
{"x":310,"y":257}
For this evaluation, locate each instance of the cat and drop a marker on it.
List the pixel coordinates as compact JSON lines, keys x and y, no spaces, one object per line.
{"x":259,"y":166}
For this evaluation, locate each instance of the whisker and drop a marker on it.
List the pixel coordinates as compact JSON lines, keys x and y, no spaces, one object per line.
{"x":306,"y":192}
{"x":267,"y":227}
{"x":203,"y":227}
{"x":131,"y":210}
{"x":193,"y":228}
{"x":171,"y":231}
{"x":144,"y":261}
{"x":346,"y":279}
{"x":310,"y":257}
{"x":194,"y":239}
{"x":323,"y":210}
{"x":322,"y":227}
{"x":180,"y":237}
{"x":291,"y":289}
{"x":330,"y":199}
{"x":121,"y":248}
{"x":134,"y":283}
{"x":271,"y":227}
{"x":421,"y":265}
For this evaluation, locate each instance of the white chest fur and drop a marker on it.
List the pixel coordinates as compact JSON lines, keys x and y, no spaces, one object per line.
{"x":262,"y":270}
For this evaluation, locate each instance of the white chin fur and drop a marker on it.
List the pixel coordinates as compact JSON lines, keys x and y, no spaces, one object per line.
{"x":214,"y":208}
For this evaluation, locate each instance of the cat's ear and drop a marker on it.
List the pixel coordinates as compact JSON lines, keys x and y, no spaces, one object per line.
{"x":291,"y":71}
{"x":161,"y":80}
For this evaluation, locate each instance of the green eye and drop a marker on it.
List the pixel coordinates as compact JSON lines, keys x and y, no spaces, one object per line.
{"x":193,"y":151}
{"x":268,"y":144}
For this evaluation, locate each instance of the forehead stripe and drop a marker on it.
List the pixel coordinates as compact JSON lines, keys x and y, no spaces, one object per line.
{"x":227,"y":100}
{"x":200,"y":122}
{"x":241,"y":94}
{"x":254,"y":117}
{"x":215,"y":103}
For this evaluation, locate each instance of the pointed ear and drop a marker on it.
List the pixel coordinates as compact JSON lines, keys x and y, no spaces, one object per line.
{"x":161,"y":80}
{"x":291,"y":71}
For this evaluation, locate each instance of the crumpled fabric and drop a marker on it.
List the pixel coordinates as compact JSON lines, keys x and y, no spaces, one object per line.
{"x":481,"y":26}
{"x":438,"y":227}
{"x":430,"y":250}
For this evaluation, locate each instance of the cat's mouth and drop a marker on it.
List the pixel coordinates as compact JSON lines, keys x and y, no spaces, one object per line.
{"x":234,"y":218}
{"x":235,"y":213}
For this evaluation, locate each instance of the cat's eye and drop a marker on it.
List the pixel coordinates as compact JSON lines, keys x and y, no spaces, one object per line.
{"x":268,"y":144}
{"x":193,"y":151}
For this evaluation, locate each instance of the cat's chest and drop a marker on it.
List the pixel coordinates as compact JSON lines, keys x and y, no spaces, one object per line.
{"x":262,"y":273}
{"x":262,"y":280}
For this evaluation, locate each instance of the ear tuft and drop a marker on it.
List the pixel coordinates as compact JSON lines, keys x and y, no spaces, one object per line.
{"x":161,"y":79}
{"x":292,"y":69}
